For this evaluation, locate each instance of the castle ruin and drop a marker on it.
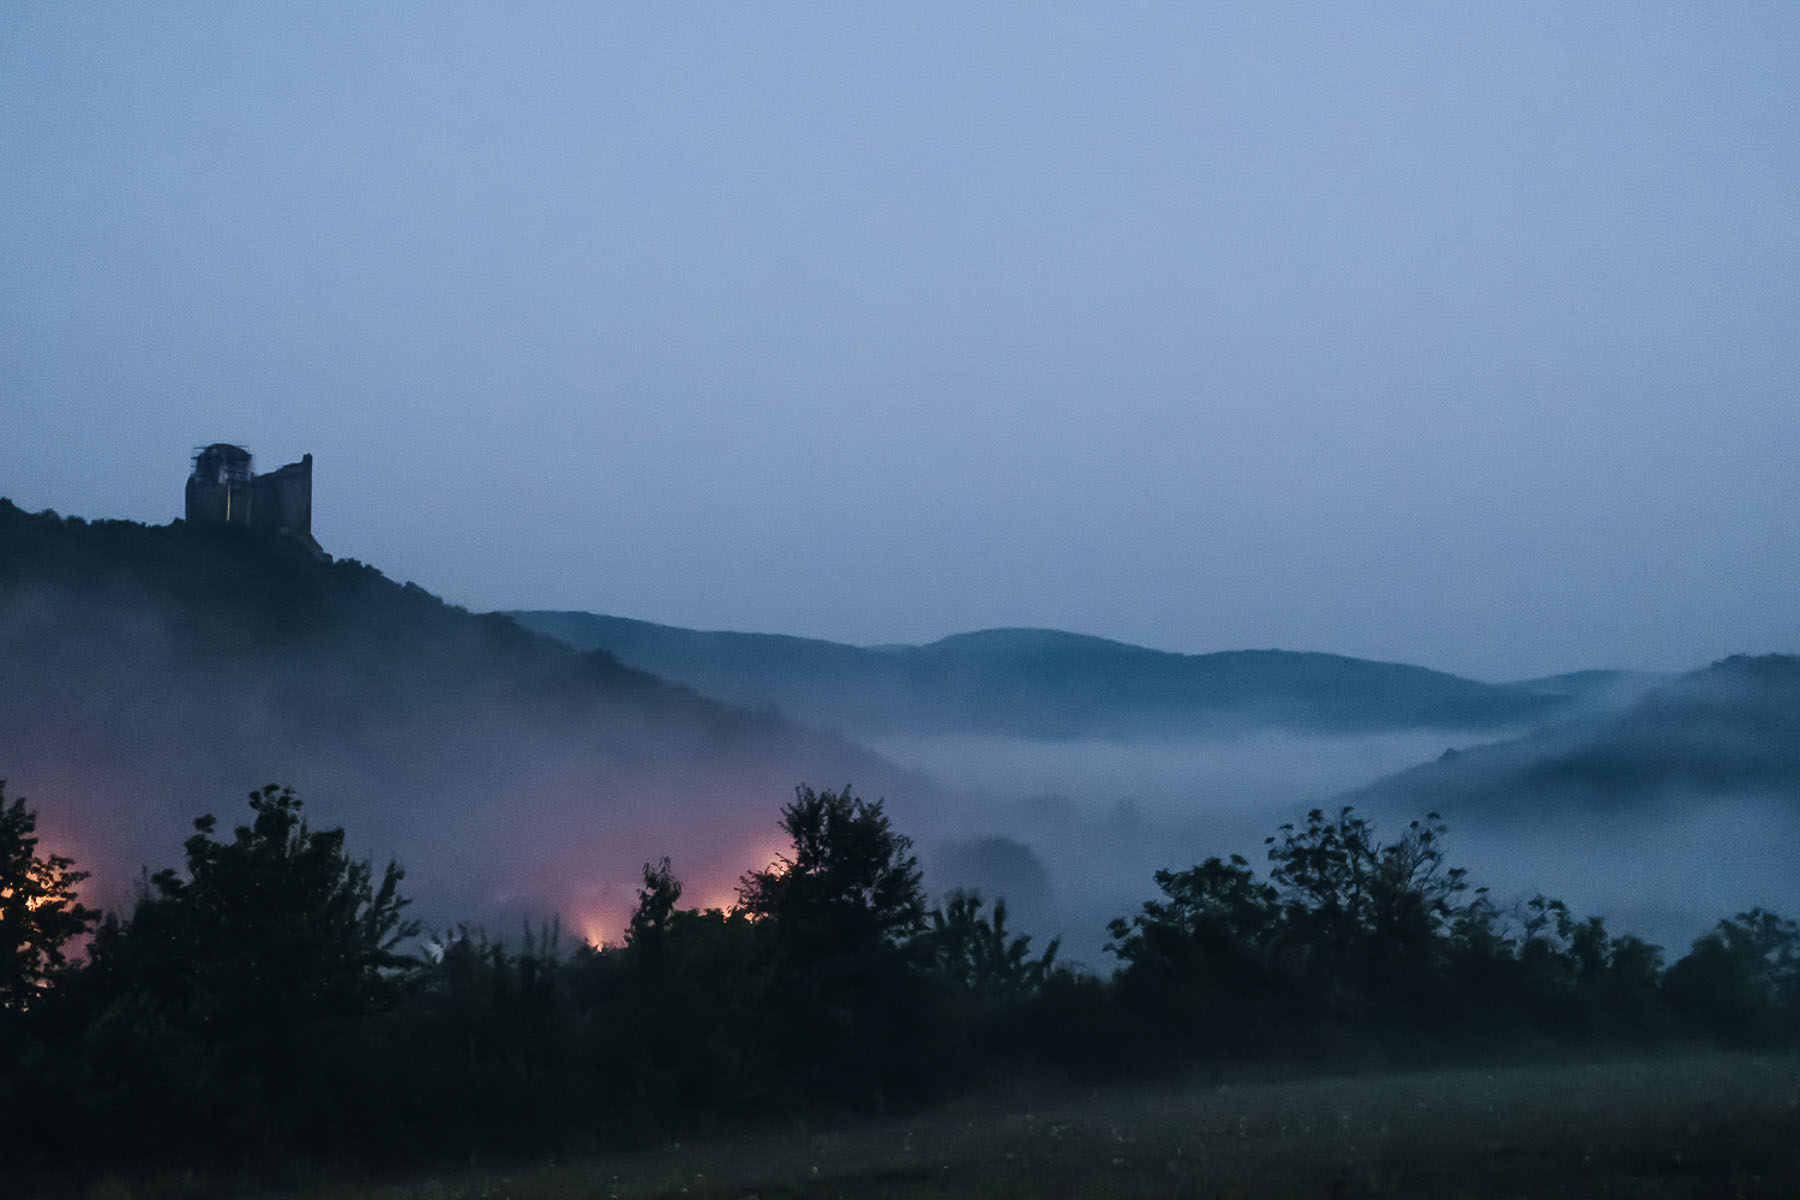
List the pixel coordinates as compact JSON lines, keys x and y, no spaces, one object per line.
{"x":223,"y":490}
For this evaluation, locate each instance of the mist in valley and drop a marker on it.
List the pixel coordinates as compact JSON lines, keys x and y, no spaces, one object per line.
{"x":1100,"y":818}
{"x":1667,"y":869}
{"x":517,"y":782}
{"x":521,"y":783}
{"x":506,"y":816}
{"x":1559,"y":785}
{"x":524,"y":785}
{"x":1100,"y":435}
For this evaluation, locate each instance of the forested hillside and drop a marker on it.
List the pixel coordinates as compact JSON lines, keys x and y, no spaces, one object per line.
{"x":1729,"y":729}
{"x":150,"y":671}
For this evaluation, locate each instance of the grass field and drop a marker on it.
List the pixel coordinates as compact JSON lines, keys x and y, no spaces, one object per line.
{"x":1707,"y":1125}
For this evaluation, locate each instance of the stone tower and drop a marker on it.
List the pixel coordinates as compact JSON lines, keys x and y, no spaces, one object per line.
{"x":223,"y":490}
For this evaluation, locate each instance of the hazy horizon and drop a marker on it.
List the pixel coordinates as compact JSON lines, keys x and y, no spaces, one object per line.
{"x":952,"y":633}
{"x":1456,"y":337}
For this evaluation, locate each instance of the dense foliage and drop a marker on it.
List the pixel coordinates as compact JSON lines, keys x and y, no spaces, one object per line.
{"x":1355,"y":947}
{"x":271,"y":1003}
{"x":39,"y":914}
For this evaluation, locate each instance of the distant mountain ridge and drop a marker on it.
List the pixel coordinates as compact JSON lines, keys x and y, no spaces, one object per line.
{"x":1730,"y":728}
{"x":1050,"y":685}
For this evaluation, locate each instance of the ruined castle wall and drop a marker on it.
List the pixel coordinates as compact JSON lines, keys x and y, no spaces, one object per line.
{"x":283,"y":499}
{"x":220,"y":491}
{"x":223,"y":491}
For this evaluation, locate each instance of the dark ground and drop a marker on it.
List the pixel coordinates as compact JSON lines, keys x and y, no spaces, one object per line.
{"x":1712,"y":1125}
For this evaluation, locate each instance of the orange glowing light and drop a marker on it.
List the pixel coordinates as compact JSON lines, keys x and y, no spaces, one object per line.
{"x":765,"y":854}
{"x":594,"y":928}
{"x":33,"y":902}
{"x":723,"y":898}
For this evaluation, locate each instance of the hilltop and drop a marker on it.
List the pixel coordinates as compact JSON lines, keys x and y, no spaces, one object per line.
{"x":1046,"y":684}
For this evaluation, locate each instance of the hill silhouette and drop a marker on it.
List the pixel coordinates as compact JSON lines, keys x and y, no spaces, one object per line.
{"x":156,"y":673}
{"x":1726,"y":729}
{"x":1044,"y":684}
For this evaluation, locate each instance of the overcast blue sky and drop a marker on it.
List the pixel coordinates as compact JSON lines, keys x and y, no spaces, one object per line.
{"x":1465,"y":335}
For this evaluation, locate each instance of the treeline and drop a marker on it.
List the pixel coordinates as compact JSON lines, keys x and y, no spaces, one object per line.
{"x":270,"y":1003}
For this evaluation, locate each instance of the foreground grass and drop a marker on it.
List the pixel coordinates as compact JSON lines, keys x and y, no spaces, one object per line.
{"x":1708,"y":1125}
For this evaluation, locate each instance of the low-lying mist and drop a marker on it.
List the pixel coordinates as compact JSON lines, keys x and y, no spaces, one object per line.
{"x":504,"y":816}
{"x":1099,"y":818}
{"x":157,"y":674}
{"x":505,"y":812}
{"x":1212,"y":773}
{"x":1666,"y":870}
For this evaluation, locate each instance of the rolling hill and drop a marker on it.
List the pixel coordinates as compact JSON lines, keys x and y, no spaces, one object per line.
{"x":152,"y":674}
{"x":1732,"y":728}
{"x":529,"y":765}
{"x":1043,"y":684}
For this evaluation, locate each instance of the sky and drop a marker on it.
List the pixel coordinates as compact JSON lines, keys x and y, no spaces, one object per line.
{"x":1460,"y":335}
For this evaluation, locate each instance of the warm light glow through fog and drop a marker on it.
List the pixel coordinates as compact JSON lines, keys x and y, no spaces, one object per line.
{"x":594,"y":926}
{"x":44,"y":878}
{"x":600,"y":913}
{"x":31,"y":905}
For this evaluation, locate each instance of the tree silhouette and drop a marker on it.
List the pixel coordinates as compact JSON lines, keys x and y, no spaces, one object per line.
{"x":1199,"y":963}
{"x":679,"y":1004}
{"x":39,"y":914}
{"x":241,"y":984}
{"x":845,"y":1013}
{"x":850,"y":880}
{"x":979,"y":954}
{"x":1740,"y":983}
{"x":277,"y":919}
{"x":1365,"y":924}
{"x":657,"y":899}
